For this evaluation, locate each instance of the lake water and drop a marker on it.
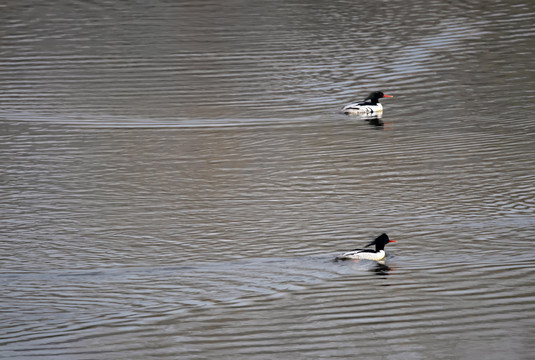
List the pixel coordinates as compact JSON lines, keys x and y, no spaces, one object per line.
{"x":177,"y":180}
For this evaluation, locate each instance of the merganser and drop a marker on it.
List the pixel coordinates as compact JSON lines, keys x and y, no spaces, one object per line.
{"x":369,"y":254}
{"x":371,"y":107}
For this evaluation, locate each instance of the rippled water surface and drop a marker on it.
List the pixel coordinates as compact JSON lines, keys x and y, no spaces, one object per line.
{"x":177,"y":179}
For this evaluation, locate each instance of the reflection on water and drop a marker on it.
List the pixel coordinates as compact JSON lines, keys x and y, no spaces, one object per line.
{"x":374,"y":120}
{"x":377,"y":267}
{"x":382,"y":269}
{"x":177,"y":180}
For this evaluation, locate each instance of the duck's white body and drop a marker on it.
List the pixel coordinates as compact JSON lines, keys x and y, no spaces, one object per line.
{"x":359,"y":108}
{"x":364,"y":255}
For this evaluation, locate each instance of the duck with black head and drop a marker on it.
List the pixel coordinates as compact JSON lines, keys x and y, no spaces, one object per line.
{"x":370,"y":105}
{"x":378,"y":254}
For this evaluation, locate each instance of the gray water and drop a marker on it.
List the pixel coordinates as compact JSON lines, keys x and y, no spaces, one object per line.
{"x":177,"y":180}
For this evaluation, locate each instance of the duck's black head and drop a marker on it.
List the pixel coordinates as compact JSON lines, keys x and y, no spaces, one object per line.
{"x":380,"y":242}
{"x":375,"y":96}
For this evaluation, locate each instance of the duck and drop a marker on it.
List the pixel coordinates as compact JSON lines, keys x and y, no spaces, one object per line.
{"x":377,"y":255}
{"x":370,"y":105}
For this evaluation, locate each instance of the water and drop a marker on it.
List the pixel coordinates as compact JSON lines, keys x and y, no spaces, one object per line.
{"x":177,"y":181}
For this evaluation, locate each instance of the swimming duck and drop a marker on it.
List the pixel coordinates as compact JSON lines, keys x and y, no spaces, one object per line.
{"x":370,"y":105}
{"x":369,"y":254}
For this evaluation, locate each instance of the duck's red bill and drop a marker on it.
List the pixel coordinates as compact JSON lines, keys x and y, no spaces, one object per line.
{"x":393,"y":241}
{"x":388,"y":95}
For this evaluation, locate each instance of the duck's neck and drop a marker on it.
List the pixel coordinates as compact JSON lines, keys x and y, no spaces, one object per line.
{"x":374,"y":101}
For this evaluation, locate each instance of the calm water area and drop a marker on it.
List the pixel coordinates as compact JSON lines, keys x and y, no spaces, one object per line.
{"x":177,"y":179}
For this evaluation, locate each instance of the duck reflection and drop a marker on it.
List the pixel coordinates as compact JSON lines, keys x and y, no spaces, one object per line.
{"x":381,"y":269}
{"x":378,"y":267}
{"x":373,"y":120}
{"x":376,"y":121}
